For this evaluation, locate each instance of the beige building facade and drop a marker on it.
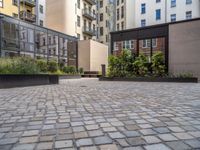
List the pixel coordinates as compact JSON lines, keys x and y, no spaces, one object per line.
{"x":91,"y":55}
{"x":73,"y":17}
{"x":184,"y":52}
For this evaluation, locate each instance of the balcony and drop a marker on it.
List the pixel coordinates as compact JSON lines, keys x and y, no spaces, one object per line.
{"x":91,"y":2}
{"x":30,"y":3}
{"x":89,"y":31}
{"x":27,"y":16}
{"x":88,"y":14}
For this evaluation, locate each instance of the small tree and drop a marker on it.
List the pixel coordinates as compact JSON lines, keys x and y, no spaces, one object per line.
{"x":158,"y":65}
{"x":52,"y":66}
{"x":140,"y":65}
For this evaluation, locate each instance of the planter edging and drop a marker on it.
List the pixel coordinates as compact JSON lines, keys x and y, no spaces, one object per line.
{"x":151,"y":79}
{"x":19,"y":80}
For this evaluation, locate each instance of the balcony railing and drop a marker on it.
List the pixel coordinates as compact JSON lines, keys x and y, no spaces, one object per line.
{"x":92,"y":2}
{"x":30,"y":3}
{"x":27,"y":16}
{"x":89,"y":14}
{"x":89,"y":31}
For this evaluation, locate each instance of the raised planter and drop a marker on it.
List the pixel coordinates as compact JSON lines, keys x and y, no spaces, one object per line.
{"x":11,"y":81}
{"x":151,"y":79}
{"x":69,"y":76}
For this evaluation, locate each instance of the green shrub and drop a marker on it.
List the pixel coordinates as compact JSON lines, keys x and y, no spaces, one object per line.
{"x":52,"y":66}
{"x":69,"y":69}
{"x":18,"y":65}
{"x":140,"y":65}
{"x":185,"y":75}
{"x":81,"y":71}
{"x":158,"y":64}
{"x":42,"y":65}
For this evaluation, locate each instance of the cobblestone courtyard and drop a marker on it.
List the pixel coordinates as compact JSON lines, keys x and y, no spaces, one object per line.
{"x":87,"y":114}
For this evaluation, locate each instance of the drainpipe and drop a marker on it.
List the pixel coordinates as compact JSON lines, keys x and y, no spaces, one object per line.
{"x":165,"y":11}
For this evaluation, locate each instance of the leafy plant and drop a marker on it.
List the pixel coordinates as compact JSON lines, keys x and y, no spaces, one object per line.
{"x":81,"y":71}
{"x":185,"y":75}
{"x":158,"y":64}
{"x":140,"y":65}
{"x":69,"y":69}
{"x":42,"y":65}
{"x":52,"y":66}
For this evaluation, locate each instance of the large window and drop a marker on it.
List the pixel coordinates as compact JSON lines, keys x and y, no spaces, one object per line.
{"x":1,"y":3}
{"x":173,"y":17}
{"x":173,"y":3}
{"x":143,"y":23}
{"x":188,"y":2}
{"x":143,"y":8}
{"x":158,"y":14}
{"x":41,"y":9}
{"x":189,"y":15}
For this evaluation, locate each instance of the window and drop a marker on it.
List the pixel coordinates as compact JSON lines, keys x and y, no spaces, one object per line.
{"x":101,"y":4}
{"x":143,"y":23}
{"x":118,"y":27}
{"x":78,"y":4}
{"x":158,"y":1}
{"x":173,"y":3}
{"x":158,"y":14}
{"x":78,"y":21}
{"x":146,"y":43}
{"x":41,"y":23}
{"x":122,"y":25}
{"x":122,"y":12}
{"x":78,"y":36}
{"x":116,"y":47}
{"x":101,"y":31}
{"x":117,"y":14}
{"x":15,"y":15}
{"x":107,"y":23}
{"x":188,"y":2}
{"x":122,"y":1}
{"x":173,"y":17}
{"x":143,"y":8}
{"x":1,"y":3}
{"x":117,"y":2}
{"x":107,"y":38}
{"x":41,"y":9}
{"x":101,"y":17}
{"x":14,"y":2}
{"x":189,"y":15}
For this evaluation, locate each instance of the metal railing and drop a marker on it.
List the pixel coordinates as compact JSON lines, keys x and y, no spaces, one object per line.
{"x":89,"y":30}
{"x":89,"y":14}
{"x":27,"y":16}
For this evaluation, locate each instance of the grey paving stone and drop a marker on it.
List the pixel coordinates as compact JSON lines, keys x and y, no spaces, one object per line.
{"x":63,"y":144}
{"x":26,"y":140}
{"x":31,"y":133}
{"x":6,"y":141}
{"x":167,"y":137}
{"x":194,"y":143}
{"x":151,"y":139}
{"x":46,"y":138}
{"x":137,"y":141}
{"x":131,"y":133}
{"x":79,"y":135}
{"x":5,"y":147}
{"x":84,"y":142}
{"x":183,"y":136}
{"x":24,"y":147}
{"x":78,"y":129}
{"x":45,"y":145}
{"x":102,"y":140}
{"x":157,"y":147}
{"x":116,"y":135}
{"x":134,"y":148}
{"x":108,"y":147}
{"x":95,"y":133}
{"x":147,"y":132}
{"x":122,"y":142}
{"x":89,"y":148}
{"x":178,"y":145}
{"x":176,"y":129}
{"x":161,"y":130}
{"x":92,"y":127}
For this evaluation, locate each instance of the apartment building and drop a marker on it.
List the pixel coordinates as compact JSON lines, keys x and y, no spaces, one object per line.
{"x":151,"y":12}
{"x":32,"y":11}
{"x":76,"y":18}
{"x":106,"y":20}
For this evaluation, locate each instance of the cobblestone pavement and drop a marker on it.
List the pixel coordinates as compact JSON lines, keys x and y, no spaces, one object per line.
{"x":87,"y":114}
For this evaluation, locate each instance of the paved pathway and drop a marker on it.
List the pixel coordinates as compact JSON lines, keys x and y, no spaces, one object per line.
{"x":87,"y":114}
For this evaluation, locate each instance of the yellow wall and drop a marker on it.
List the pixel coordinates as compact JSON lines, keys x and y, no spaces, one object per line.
{"x":9,"y":8}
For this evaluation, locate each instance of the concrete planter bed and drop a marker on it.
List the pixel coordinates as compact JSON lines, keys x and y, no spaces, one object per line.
{"x":11,"y":81}
{"x":152,"y":79}
{"x":78,"y":76}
